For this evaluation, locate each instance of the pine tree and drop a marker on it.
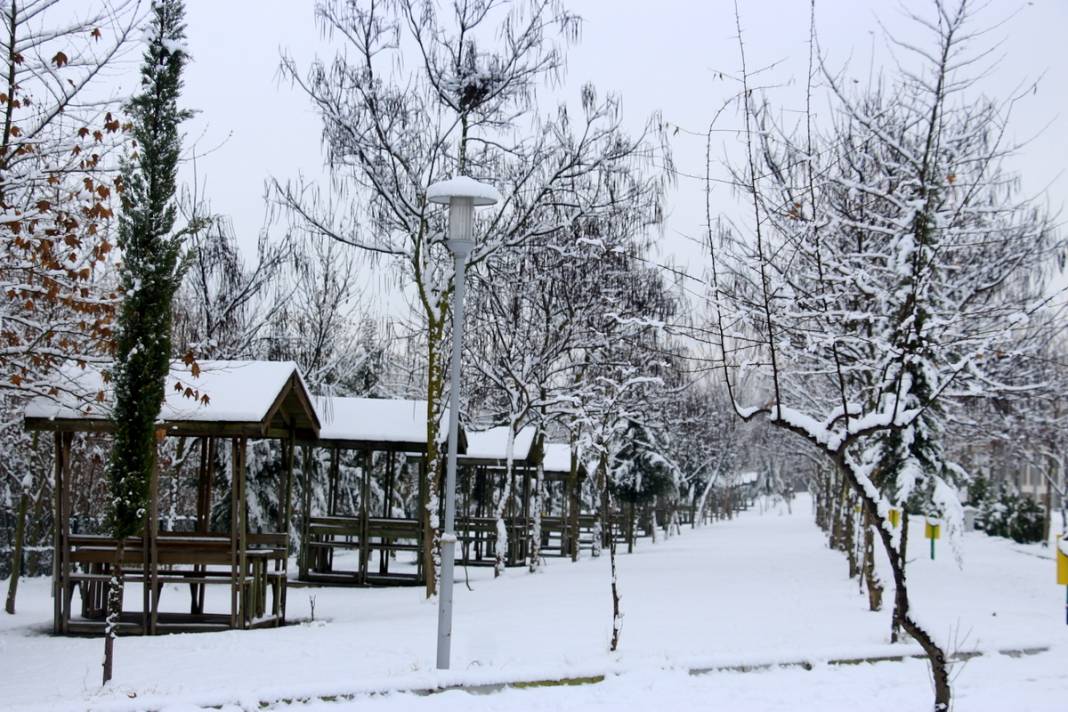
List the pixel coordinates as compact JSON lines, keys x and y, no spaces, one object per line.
{"x":150,"y":276}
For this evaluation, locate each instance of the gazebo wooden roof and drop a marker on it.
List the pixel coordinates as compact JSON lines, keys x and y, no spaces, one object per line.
{"x":381,"y":424}
{"x":489,"y":447}
{"x":255,"y":399}
{"x":239,"y":400}
{"x":556,"y":462}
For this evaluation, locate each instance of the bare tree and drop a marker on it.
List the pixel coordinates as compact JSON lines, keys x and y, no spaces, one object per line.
{"x":848,"y":292}
{"x":58,"y":140}
{"x":460,"y":107}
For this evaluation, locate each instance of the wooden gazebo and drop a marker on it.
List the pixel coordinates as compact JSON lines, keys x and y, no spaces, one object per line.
{"x":483,"y":469}
{"x":565,"y":527}
{"x":338,"y":545}
{"x":234,"y":400}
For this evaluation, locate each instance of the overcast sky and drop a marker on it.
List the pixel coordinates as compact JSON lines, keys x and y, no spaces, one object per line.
{"x":660,"y":55}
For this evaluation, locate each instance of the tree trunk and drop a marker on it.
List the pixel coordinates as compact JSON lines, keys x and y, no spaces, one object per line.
{"x":871,"y":579}
{"x":432,"y":466}
{"x":16,"y":553}
{"x":535,"y":538}
{"x":935,"y":655}
{"x":1048,"y":505}
{"x":574,"y":504}
{"x":617,"y":614}
{"x":895,"y":619}
{"x":603,"y":522}
{"x":114,"y":611}
{"x":849,"y":530}
{"x":501,"y":546}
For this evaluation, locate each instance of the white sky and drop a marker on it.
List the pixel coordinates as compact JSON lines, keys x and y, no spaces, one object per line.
{"x":660,"y":55}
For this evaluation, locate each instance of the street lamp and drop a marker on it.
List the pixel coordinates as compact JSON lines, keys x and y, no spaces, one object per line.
{"x":461,"y":194}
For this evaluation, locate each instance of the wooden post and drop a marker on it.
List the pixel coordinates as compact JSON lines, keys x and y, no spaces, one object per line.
{"x":420,"y":567}
{"x":202,"y":475}
{"x":235,"y":524}
{"x":480,"y":509}
{"x":331,"y":505}
{"x":387,"y":511}
{"x":306,"y":512}
{"x":204,"y":491}
{"x":68,"y":438}
{"x":149,"y":551}
{"x":58,"y":543}
{"x":287,"y":504}
{"x":335,"y":469}
{"x":365,"y":516}
{"x":242,"y":531}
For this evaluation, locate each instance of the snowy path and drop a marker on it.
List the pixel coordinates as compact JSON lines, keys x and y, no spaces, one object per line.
{"x":754,"y":590}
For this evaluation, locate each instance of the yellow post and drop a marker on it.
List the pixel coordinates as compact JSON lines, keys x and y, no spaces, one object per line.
{"x":932,"y":530}
{"x":894,"y":516}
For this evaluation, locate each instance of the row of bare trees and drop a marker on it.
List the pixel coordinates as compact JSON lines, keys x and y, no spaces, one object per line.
{"x":889,"y":269}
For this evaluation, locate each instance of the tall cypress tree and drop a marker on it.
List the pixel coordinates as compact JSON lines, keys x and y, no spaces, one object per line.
{"x":150,"y":276}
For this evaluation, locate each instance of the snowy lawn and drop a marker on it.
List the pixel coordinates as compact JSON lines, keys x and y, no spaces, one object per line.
{"x":759,"y":589}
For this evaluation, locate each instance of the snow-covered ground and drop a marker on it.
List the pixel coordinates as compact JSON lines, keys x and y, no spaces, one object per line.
{"x":759,"y":589}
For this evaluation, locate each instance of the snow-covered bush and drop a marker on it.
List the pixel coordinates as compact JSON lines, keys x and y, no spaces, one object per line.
{"x":1005,"y":512}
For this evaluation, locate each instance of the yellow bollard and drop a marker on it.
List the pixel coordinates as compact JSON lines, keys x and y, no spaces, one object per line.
{"x":894,"y":515}
{"x":932,"y":529}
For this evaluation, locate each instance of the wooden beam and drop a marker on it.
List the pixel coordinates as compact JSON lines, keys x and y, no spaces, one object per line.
{"x":242,"y":531}
{"x":68,"y":439}
{"x":306,"y":512}
{"x":365,"y":515}
{"x":151,"y":549}
{"x":286,"y":495}
{"x":234,"y":523}
{"x":58,"y":538}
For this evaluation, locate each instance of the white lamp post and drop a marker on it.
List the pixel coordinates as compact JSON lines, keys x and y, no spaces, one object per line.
{"x":461,"y":194}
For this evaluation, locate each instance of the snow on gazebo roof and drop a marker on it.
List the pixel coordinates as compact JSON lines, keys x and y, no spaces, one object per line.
{"x":557,"y":457}
{"x":556,"y":461}
{"x":241,"y":398}
{"x":376,"y":423}
{"x":490,"y":446}
{"x":748,"y":477}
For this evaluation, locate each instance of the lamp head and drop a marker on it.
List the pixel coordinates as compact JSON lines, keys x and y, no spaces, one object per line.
{"x":462,"y":194}
{"x":480,"y":194}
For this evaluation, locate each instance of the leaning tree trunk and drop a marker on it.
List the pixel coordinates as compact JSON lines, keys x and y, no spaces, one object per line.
{"x":895,"y":619}
{"x":935,"y":655}
{"x":16,"y":553}
{"x":111,"y":625}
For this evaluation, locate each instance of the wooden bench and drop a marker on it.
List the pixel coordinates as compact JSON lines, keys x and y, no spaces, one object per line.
{"x":197,"y":559}
{"x":386,"y":535}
